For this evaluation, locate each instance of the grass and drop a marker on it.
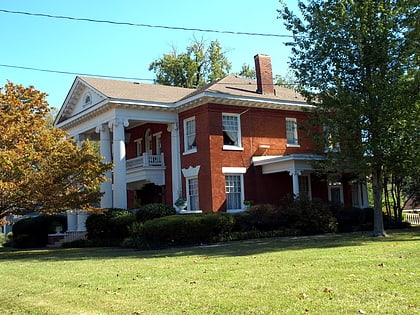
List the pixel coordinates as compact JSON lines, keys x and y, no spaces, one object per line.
{"x":334,"y":274}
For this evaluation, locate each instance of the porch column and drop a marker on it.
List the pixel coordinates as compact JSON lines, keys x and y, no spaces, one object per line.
{"x":176,"y":161}
{"x":295,"y":180}
{"x":120,"y":173}
{"x":105,"y":151}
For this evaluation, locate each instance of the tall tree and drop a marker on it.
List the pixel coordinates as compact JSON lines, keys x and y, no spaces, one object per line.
{"x":42,"y":170}
{"x":195,"y":67}
{"x":358,"y":63}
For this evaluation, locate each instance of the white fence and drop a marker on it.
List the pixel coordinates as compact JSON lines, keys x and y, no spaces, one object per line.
{"x":413,"y":217}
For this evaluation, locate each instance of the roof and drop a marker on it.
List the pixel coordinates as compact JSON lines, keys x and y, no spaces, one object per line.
{"x":238,"y":86}
{"x":229,"y":85}
{"x":126,"y":90}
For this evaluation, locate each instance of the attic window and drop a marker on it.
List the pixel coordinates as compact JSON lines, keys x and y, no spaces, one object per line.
{"x":88,"y":99}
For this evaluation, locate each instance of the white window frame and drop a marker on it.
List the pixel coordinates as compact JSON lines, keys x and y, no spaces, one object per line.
{"x":139,"y":146}
{"x":148,"y":147}
{"x":292,"y":139}
{"x":238,"y":145}
{"x":187,"y":148}
{"x":191,"y":194}
{"x":158,"y":142}
{"x":329,"y":145}
{"x":307,"y":177}
{"x":336,"y":185}
{"x":191,"y":173}
{"x":235,"y":171}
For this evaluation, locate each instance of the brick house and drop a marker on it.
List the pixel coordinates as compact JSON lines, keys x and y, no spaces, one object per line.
{"x":231,"y":141}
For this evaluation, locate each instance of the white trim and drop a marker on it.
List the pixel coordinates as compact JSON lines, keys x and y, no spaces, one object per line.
{"x":295,"y":132}
{"x":239,"y":133}
{"x":233,"y":170}
{"x":340,"y":187}
{"x":184,"y":123}
{"x":191,"y":171}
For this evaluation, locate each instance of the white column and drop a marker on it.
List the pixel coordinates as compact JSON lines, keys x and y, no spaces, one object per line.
{"x":71,"y":220}
{"x":81,"y":221}
{"x":106,"y":187}
{"x":295,"y":179}
{"x":120,"y":173}
{"x":176,"y":161}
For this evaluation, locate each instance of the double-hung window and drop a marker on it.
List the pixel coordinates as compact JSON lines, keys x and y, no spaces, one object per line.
{"x":233,"y":187}
{"x":304,"y":186}
{"x":192,"y":193}
{"x":190,"y":142}
{"x":231,"y":131}
{"x":291,"y":132}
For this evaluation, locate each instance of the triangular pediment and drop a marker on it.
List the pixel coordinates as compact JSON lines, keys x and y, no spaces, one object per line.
{"x":80,"y":98}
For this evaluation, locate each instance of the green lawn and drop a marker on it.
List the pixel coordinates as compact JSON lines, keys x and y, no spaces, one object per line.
{"x":336,"y":274}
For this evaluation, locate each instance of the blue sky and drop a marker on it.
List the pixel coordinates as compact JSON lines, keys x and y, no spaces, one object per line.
{"x":126,"y":51}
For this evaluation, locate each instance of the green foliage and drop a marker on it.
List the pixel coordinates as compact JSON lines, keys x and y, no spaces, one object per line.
{"x":153,"y":211}
{"x":109,"y":228}
{"x":33,"y":232}
{"x":357,"y":63}
{"x":195,"y":67}
{"x":299,"y":216}
{"x":184,"y":229}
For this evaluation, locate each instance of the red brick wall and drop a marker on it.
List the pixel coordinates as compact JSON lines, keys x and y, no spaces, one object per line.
{"x":258,"y":127}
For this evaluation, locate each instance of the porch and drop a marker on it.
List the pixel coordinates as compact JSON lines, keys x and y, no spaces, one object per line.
{"x":147,"y":168}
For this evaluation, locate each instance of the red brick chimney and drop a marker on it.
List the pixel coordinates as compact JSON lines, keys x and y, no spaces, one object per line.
{"x":264,"y":74}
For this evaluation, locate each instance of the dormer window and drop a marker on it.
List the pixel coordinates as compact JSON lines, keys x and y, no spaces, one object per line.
{"x":87,"y":99}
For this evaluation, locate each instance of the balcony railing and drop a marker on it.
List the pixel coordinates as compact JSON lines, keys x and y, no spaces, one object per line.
{"x":146,"y":160}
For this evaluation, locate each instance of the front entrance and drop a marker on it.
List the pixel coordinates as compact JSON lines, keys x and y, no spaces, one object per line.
{"x":150,"y":193}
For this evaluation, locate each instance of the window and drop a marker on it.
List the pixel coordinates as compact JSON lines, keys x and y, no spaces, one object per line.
{"x":192,"y":193}
{"x":330,"y":144}
{"x":291,"y":132}
{"x":190,"y":144}
{"x":335,"y":192}
{"x":148,"y":142}
{"x":231,"y":131}
{"x":139,"y":146}
{"x":304,"y":186}
{"x":233,"y":191}
{"x":158,"y":142}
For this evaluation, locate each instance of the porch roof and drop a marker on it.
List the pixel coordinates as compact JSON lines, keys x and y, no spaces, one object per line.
{"x":292,"y":163}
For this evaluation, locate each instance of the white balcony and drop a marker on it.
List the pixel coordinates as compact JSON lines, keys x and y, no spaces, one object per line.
{"x":148,"y":168}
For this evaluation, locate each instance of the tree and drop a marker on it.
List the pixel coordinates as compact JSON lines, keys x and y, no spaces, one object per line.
{"x":41,"y":169}
{"x":196,"y":67}
{"x":247,"y":72}
{"x":357,"y":62}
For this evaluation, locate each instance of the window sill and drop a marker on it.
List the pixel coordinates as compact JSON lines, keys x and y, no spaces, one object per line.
{"x":190,"y":211}
{"x":232,"y":148}
{"x":189,"y":152}
{"x":289,"y":145}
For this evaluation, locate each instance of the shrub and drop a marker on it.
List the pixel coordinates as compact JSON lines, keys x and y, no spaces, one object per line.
{"x":263,"y":217}
{"x":182,"y":230}
{"x":353,"y":219}
{"x":153,"y":211}
{"x":110,"y":227}
{"x":309,"y":216}
{"x":33,"y":232}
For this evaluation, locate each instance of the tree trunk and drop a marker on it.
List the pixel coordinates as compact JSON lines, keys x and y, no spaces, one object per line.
{"x":378,"y":221}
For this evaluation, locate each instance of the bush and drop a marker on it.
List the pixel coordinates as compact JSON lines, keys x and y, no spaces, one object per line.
{"x":309,"y":216}
{"x":33,"y":232}
{"x":182,"y":230}
{"x":351,"y":219}
{"x":154,"y":211}
{"x":299,"y":216}
{"x":109,"y":228}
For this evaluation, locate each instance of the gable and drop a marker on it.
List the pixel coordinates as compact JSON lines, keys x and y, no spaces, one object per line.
{"x":80,"y":97}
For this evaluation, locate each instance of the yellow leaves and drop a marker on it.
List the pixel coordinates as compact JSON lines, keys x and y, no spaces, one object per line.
{"x":45,"y":170}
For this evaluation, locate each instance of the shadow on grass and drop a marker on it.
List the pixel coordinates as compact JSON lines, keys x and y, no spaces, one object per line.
{"x":237,"y":248}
